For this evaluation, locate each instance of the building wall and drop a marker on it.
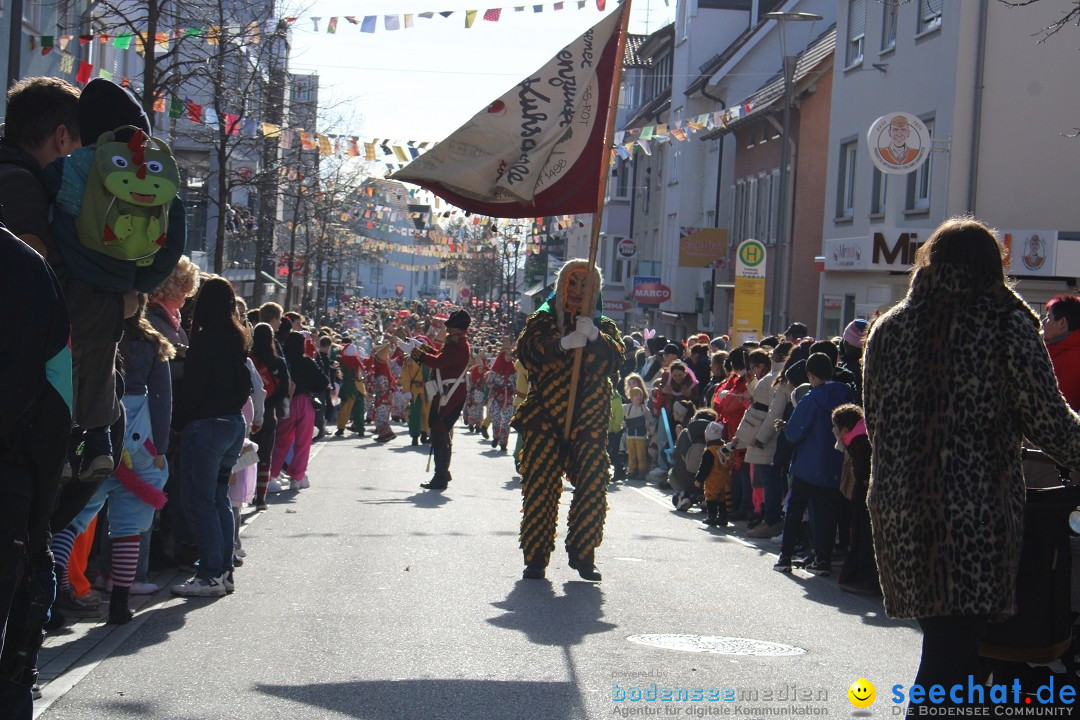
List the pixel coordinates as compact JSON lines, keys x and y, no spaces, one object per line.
{"x":811,"y":169}
{"x":1027,"y":171}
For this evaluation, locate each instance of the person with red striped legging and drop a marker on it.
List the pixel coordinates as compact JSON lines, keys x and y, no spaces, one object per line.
{"x":134,"y":490}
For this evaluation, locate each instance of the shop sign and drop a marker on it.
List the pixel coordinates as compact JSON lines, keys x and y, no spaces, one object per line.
{"x":701,"y":247}
{"x":627,"y":249}
{"x":1029,"y":252}
{"x":886,"y":249}
{"x":648,"y":290}
{"x":898,"y":143}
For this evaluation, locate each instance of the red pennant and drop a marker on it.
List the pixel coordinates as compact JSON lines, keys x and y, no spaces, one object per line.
{"x":85,"y":70}
{"x":194,"y":112}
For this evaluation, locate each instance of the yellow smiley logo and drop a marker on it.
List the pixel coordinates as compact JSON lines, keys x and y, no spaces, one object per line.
{"x":862,"y":693}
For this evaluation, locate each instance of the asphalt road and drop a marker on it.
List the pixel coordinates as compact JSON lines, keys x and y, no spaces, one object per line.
{"x":367,"y":597}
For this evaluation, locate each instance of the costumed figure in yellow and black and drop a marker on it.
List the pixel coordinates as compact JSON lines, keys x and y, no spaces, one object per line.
{"x":413,"y":377}
{"x":546,"y":348}
{"x":448,"y":368}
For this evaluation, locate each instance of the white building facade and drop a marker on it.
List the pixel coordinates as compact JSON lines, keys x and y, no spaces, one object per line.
{"x":998,"y":106}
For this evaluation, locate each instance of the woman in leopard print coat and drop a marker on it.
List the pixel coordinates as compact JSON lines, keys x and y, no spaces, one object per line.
{"x":955,"y":377}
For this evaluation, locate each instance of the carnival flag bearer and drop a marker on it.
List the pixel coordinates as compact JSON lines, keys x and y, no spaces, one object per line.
{"x":448,"y":366}
{"x":546,"y":348}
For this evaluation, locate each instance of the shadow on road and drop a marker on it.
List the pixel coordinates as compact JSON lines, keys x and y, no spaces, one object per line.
{"x":436,"y":699}
{"x":533,"y":608}
{"x":429,"y":499}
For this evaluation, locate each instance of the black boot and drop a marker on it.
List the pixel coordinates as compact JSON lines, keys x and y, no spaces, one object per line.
{"x":712,"y":508}
{"x":585,"y":566}
{"x":415,"y":441}
{"x":440,"y":451}
{"x":535,"y":567}
{"x":119,"y":612}
{"x":423,"y":438}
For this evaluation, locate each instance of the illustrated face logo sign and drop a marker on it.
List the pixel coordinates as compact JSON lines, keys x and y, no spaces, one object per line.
{"x":898,"y":143}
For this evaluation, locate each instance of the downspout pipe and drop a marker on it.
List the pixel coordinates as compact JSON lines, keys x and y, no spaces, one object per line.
{"x":976,"y":116}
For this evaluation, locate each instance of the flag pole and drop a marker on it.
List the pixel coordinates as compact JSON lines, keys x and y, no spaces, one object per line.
{"x":588,"y":297}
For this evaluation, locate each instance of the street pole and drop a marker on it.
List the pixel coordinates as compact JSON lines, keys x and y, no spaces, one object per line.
{"x":782,"y":270}
{"x":782,"y":240}
{"x":14,"y":67}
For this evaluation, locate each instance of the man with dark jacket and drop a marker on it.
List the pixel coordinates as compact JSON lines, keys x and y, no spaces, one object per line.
{"x":447,"y":403}
{"x":42,"y":124}
{"x":815,"y":465}
{"x":35,"y":382}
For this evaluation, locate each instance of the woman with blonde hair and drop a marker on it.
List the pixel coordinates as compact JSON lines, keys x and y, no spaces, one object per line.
{"x":163,"y":309}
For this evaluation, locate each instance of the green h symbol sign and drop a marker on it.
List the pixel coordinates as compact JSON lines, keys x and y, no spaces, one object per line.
{"x":752,"y":253}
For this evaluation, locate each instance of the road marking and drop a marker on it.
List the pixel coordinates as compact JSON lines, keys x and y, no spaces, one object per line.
{"x":664,"y":501}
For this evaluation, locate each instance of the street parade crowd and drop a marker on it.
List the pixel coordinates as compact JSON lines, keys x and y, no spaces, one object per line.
{"x":188,"y":406}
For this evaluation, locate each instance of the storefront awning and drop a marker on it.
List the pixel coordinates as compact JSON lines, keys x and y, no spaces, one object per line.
{"x":272,"y":279}
{"x":531,"y":292}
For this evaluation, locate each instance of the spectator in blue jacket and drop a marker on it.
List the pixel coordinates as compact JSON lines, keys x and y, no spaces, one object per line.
{"x":815,"y":466}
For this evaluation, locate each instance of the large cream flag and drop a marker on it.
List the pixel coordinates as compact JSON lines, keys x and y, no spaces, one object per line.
{"x":538,"y":149}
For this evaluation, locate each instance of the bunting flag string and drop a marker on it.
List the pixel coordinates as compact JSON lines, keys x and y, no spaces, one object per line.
{"x":252,"y":33}
{"x":393,"y":152}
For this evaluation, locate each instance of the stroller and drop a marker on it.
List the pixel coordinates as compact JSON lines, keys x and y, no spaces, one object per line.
{"x":1041,"y":640}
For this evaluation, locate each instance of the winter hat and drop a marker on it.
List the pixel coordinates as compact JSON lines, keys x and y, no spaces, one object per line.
{"x":682,"y":410}
{"x":796,"y":330}
{"x":656,"y":344}
{"x":105,"y":106}
{"x":820,"y":366}
{"x":855,"y":332}
{"x":714,"y":431}
{"x":458,"y":320}
{"x":795,"y":373}
{"x":672,"y":349}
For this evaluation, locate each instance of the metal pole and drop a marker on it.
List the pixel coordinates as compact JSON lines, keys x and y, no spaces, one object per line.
{"x":14,"y":68}
{"x":783,"y":240}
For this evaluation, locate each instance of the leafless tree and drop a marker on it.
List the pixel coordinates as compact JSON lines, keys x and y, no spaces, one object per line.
{"x":1069,"y":16}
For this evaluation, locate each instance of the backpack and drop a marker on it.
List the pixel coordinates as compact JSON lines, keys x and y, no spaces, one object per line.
{"x":125,"y":205}
{"x":270,"y":382}
{"x":693,"y":457}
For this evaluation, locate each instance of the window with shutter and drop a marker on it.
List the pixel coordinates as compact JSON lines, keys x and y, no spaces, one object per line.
{"x":888,"y":26}
{"x":929,"y":15}
{"x":856,"y":33}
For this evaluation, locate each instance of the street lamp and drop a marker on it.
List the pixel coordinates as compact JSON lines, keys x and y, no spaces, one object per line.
{"x":783,"y":224}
